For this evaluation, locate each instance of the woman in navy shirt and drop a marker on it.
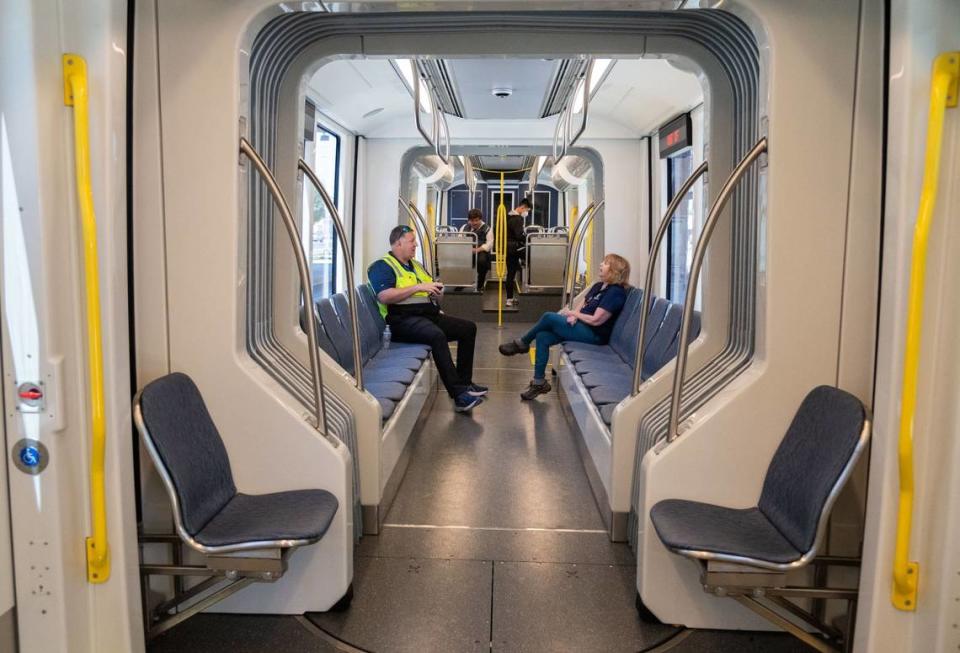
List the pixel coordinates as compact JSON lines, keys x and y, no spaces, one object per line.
{"x":590,"y":321}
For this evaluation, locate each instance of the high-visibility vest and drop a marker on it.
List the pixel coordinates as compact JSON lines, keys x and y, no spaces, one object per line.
{"x":406,"y":279}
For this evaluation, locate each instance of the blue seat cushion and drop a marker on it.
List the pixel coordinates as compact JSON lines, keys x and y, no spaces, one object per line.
{"x":380,"y":373}
{"x":590,"y":352}
{"x":606,"y":413}
{"x":293,"y":515}
{"x":386,"y":407}
{"x":695,"y":526}
{"x":391,"y":358}
{"x":386,"y":390}
{"x":617,"y":367}
{"x":614,"y":393}
{"x":411,"y":349}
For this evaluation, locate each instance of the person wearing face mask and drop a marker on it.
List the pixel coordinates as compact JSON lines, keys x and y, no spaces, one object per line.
{"x":516,"y":242}
{"x":410,"y":303}
{"x":590,"y":320}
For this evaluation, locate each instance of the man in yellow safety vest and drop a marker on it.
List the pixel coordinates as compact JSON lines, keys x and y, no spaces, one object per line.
{"x":410,"y":303}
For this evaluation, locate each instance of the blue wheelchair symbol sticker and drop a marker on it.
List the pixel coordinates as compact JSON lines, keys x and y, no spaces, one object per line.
{"x":30,"y":456}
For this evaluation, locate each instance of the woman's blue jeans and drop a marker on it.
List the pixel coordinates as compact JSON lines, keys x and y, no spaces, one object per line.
{"x":552,"y":329}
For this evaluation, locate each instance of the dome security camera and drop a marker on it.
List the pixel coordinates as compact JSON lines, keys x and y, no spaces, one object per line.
{"x":502,"y":92}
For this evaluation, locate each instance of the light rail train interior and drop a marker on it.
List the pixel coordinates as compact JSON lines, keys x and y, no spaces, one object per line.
{"x":480,"y":325}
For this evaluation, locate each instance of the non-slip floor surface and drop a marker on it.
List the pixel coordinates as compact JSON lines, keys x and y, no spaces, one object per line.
{"x":493,"y":543}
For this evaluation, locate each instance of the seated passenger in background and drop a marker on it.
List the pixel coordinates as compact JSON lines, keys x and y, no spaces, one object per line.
{"x":591,"y":321}
{"x":476,"y":225}
{"x":410,"y":303}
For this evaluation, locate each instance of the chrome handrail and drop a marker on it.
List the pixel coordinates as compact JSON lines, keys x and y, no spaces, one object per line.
{"x":586,"y":103}
{"x":306,"y":287}
{"x":423,"y":232}
{"x":651,"y":266}
{"x":576,"y":239}
{"x":439,"y":120}
{"x":567,"y":264}
{"x":683,"y":346}
{"x":348,"y":265}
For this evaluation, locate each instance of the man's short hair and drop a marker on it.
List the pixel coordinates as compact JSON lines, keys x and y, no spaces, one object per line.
{"x":474,"y":214}
{"x":526,"y":202}
{"x":398,"y":232}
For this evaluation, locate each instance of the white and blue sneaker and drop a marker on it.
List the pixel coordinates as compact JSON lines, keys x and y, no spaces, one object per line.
{"x":477,"y":390}
{"x":465,"y":402}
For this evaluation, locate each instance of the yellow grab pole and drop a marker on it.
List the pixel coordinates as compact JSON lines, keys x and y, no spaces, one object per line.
{"x":501,"y":245}
{"x":75,"y":95}
{"x":589,"y":253}
{"x":943,"y":94}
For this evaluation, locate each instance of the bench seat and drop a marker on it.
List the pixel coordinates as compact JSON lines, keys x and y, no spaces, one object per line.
{"x":606,"y":371}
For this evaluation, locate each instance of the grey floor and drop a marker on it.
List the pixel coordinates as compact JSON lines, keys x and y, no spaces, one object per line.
{"x":494,"y":543}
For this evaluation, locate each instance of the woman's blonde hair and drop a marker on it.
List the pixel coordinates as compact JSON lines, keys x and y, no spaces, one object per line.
{"x":619,"y":274}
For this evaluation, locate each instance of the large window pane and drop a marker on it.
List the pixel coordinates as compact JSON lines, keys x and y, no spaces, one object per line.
{"x":322,"y":243}
{"x":679,"y":241}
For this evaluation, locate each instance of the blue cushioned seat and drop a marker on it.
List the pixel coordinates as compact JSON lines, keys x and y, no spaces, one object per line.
{"x":386,"y":390}
{"x":615,"y":378}
{"x":369,"y":301}
{"x":293,"y":515}
{"x":373,"y":373}
{"x":386,"y":407}
{"x":691,"y":525}
{"x":595,"y":367}
{"x":613,"y":393}
{"x":606,"y":413}
{"x":822,"y":443}
{"x":185,"y":443}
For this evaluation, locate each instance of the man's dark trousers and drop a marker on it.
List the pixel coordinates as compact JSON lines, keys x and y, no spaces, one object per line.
{"x":436,"y":329}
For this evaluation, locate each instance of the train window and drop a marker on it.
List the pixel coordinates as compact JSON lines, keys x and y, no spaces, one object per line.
{"x":679,"y":243}
{"x":323,"y":154}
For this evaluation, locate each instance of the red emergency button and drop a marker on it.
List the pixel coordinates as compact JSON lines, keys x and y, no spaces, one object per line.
{"x":30,"y":394}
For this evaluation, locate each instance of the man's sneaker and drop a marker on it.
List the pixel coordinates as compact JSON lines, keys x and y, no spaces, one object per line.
{"x":511,"y":302}
{"x":465,"y":402}
{"x":475,"y":390}
{"x":535,"y":390}
{"x":514,"y":347}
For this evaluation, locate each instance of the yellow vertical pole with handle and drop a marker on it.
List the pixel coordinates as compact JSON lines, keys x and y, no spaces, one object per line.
{"x":75,"y":95}
{"x":501,"y":244}
{"x":943,"y":94}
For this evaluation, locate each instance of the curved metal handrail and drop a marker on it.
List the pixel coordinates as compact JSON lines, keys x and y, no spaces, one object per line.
{"x":576,"y":239}
{"x":320,"y":403}
{"x":439,"y":121}
{"x":586,"y":103}
{"x":651,"y":266}
{"x":683,"y":346}
{"x":420,"y":224}
{"x":348,"y":264}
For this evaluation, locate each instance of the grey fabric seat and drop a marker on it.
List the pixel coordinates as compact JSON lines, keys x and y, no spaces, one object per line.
{"x":293,"y":515}
{"x":606,"y":413}
{"x":369,"y":301}
{"x":824,"y":440}
{"x":373,"y":373}
{"x":209,"y":512}
{"x":386,"y":390}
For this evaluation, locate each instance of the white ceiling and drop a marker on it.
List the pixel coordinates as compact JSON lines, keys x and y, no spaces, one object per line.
{"x":475,"y":79}
{"x":635,"y":97}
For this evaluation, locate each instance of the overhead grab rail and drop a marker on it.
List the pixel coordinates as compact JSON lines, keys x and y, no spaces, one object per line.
{"x":713,"y":217}
{"x":348,"y":264}
{"x":565,"y":119}
{"x":306,"y":287}
{"x":576,"y":239}
{"x":943,"y":94}
{"x":75,"y":95}
{"x":423,"y":232}
{"x":646,"y":302}
{"x":439,"y":128}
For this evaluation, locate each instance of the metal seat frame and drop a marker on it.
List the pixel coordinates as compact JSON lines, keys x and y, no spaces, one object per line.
{"x":748,"y":580}
{"x":228,"y":569}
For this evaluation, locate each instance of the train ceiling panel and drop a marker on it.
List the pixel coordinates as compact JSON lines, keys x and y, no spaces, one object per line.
{"x":502,"y":88}
{"x":633,"y":97}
